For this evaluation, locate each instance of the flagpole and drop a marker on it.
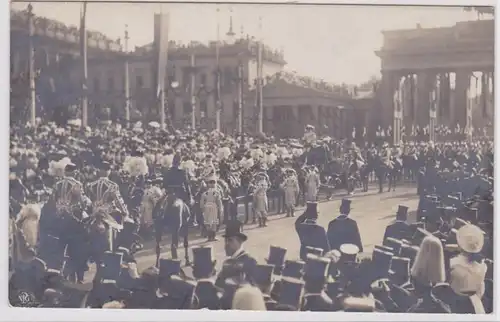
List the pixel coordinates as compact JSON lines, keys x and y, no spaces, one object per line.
{"x":260,"y":122}
{"x":127,"y":81}
{"x":218,"y":107}
{"x":31,"y":66}
{"x":83,"y":53}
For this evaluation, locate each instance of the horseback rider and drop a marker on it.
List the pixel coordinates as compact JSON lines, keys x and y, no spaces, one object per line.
{"x":177,"y":177}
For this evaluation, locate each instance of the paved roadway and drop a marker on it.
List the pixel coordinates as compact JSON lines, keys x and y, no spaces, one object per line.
{"x":371,"y":210}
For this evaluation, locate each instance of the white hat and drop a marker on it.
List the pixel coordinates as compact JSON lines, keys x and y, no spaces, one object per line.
{"x":211,"y":177}
{"x":470,"y":239}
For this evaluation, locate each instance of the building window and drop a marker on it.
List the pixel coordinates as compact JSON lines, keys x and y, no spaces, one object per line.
{"x":187,"y":108}
{"x":185,"y":76}
{"x":139,"y":82}
{"x":111,"y":84}
{"x":228,"y":76}
{"x":203,"y":109}
{"x":97,"y":85}
{"x":203,"y":79}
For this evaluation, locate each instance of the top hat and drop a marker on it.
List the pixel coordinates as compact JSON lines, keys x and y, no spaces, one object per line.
{"x":111,"y":266}
{"x":333,"y":289}
{"x":293,"y":269}
{"x":402,"y":213}
{"x":399,"y":272}
{"x":291,"y":294}
{"x":393,"y":243}
{"x":316,"y":267}
{"x":345,"y":204}
{"x":410,"y":252}
{"x":314,"y":251}
{"x":419,"y":236}
{"x":311,"y":209}
{"x":235,"y":229}
{"x":207,"y":295}
{"x":169,"y":267}
{"x":384,"y":248}
{"x":276,"y":256}
{"x":262,"y":274}
{"x":381,"y":262}
{"x":348,"y":252}
{"x":203,"y":260}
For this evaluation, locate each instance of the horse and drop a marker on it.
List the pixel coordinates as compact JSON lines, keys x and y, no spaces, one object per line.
{"x":172,"y":215}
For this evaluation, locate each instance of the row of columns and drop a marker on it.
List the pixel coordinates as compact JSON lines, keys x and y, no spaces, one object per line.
{"x":431,"y":97}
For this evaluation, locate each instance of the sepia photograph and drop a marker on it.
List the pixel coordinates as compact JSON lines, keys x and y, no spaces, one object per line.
{"x":251,"y":156}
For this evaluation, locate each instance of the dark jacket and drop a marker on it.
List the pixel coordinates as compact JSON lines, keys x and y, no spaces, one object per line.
{"x":344,"y":230}
{"x":398,"y":230}
{"x":233,"y":266}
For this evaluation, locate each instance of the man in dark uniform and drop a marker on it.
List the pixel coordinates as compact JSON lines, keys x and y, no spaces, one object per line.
{"x":344,"y":230}
{"x":400,"y":228}
{"x":176,"y":177}
{"x":310,"y":233}
{"x":239,"y":261}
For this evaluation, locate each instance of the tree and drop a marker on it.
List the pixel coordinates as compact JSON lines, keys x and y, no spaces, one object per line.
{"x":483,"y":10}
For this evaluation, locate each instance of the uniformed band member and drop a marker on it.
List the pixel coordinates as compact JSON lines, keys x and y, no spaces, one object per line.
{"x":291,"y":189}
{"x":211,"y":207}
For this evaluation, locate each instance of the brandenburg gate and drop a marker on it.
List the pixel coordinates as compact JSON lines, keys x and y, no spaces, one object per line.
{"x":437,"y":76}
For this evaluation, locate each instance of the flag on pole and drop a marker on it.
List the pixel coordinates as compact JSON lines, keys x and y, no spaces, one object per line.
{"x":161,"y":26}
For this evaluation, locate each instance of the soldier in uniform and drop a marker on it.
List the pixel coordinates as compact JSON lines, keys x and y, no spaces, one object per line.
{"x":239,"y":260}
{"x":260,"y":202}
{"x":177,"y":177}
{"x":309,"y":232}
{"x":312,"y":185}
{"x":291,"y":188}
{"x":400,"y":228}
{"x":344,"y":230}
{"x":211,"y":207}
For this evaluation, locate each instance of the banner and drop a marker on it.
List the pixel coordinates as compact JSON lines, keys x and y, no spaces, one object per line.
{"x":161,"y":24}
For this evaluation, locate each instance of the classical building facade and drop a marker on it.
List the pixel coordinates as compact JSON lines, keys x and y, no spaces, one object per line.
{"x":56,"y":54}
{"x":440,"y":73}
{"x":107,"y":80}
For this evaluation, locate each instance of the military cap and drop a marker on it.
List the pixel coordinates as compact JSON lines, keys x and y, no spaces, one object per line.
{"x":104,"y":165}
{"x":314,"y":251}
{"x":399,"y":271}
{"x":381,"y":262}
{"x":262,"y":274}
{"x":402,"y":213}
{"x":293,"y":269}
{"x":348,"y":252}
{"x":316,"y":267}
{"x":292,"y":291}
{"x":112,"y":264}
{"x":70,"y":167}
{"x":276,"y":256}
{"x":393,"y":243}
{"x":169,"y":267}
{"x":203,"y":261}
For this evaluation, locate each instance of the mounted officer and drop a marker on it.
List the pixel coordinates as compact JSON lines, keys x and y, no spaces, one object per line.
{"x":177,"y":177}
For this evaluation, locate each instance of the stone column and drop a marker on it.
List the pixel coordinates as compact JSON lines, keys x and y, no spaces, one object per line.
{"x":462,"y":81}
{"x":387,"y":86}
{"x":424,"y":78}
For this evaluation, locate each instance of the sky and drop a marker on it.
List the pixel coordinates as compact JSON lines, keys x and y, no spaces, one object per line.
{"x":335,"y":43}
